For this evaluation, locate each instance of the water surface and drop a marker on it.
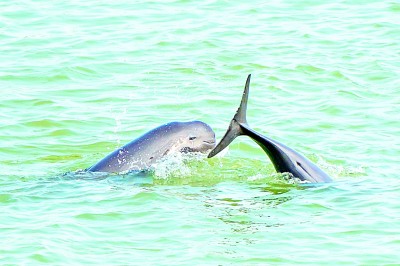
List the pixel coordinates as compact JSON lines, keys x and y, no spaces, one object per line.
{"x":79,"y":79}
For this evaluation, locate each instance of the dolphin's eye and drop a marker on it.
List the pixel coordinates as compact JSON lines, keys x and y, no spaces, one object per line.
{"x":192,"y":138}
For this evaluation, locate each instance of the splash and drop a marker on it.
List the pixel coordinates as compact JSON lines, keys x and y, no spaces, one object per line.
{"x":338,"y":171}
{"x":175,"y":165}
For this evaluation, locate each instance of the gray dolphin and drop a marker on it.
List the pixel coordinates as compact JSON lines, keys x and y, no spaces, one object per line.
{"x":284,"y":159}
{"x":145,"y":151}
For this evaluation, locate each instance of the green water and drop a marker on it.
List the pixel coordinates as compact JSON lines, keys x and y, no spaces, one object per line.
{"x":80,"y":78}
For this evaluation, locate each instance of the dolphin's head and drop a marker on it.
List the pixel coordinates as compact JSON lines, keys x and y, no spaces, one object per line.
{"x":197,"y":136}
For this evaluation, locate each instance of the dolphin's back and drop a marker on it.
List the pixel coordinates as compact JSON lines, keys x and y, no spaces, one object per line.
{"x":287,"y":160}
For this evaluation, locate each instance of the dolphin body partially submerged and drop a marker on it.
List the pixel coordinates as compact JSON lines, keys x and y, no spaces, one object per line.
{"x":145,"y":151}
{"x":284,"y":159}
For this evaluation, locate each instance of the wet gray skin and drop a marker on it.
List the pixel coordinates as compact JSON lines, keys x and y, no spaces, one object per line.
{"x":145,"y":151}
{"x":284,"y":159}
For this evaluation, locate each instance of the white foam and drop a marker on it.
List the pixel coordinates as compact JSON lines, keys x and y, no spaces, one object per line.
{"x":256,"y":177}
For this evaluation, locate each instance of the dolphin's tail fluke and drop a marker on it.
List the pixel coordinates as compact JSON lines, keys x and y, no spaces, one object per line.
{"x":235,"y":127}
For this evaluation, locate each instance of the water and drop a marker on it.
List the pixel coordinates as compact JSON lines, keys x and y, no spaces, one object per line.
{"x":79,"y":79}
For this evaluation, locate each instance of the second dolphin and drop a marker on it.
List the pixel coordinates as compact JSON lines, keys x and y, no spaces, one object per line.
{"x":284,"y":159}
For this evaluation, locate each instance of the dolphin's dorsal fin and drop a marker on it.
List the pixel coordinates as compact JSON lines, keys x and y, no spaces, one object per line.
{"x":235,"y":127}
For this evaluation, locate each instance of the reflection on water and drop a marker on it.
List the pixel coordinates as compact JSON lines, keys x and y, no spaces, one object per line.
{"x":243,"y":203}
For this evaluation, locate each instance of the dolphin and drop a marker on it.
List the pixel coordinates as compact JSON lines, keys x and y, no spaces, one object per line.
{"x":143,"y":152}
{"x":284,"y":159}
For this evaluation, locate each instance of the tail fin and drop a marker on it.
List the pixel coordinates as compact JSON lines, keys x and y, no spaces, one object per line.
{"x":235,"y":127}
